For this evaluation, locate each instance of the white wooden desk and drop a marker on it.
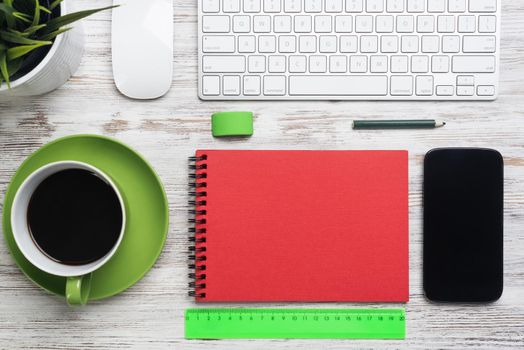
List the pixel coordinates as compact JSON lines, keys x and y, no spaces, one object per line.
{"x":166,"y":131}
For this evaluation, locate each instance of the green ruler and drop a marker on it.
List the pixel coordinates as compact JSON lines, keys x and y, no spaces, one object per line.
{"x":295,"y":323}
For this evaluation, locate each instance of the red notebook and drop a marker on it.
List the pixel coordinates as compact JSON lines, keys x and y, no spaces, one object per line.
{"x":300,"y":226}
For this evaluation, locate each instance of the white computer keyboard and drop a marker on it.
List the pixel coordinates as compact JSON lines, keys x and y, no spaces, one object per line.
{"x":348,"y":49}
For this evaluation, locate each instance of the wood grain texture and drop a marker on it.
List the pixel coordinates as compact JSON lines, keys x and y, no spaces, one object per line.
{"x":166,"y":131}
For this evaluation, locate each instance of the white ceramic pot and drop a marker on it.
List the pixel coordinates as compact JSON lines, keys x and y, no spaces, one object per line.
{"x":57,"y":66}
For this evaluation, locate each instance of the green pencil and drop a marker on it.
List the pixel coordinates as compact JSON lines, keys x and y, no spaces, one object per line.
{"x":398,"y":124}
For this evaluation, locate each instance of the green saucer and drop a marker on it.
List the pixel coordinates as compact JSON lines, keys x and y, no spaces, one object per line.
{"x":146,"y":211}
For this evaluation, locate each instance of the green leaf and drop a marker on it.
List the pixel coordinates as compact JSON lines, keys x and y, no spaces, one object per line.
{"x":8,"y":14}
{"x":42,"y":8}
{"x":55,"y":4}
{"x":58,"y":22}
{"x":36,"y":15}
{"x":54,"y":34}
{"x":14,"y":65}
{"x":3,"y":68}
{"x":22,"y":17}
{"x":14,"y":31}
{"x":33,"y":29}
{"x":22,"y":50}
{"x":18,"y":39}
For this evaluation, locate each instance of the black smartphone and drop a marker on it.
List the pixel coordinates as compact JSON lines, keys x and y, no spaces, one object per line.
{"x":463,"y":224}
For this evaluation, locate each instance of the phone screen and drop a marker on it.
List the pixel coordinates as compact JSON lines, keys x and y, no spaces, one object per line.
{"x":463,"y":225}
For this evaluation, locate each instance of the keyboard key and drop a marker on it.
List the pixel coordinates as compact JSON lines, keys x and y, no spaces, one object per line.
{"x":425,"y":24}
{"x":395,"y":6}
{"x":256,"y":64}
{"x":338,"y":64}
{"x":348,"y":43}
{"x":307,"y":43}
{"x":354,"y":6}
{"x":368,"y":43}
{"x":261,"y":24}
{"x":338,"y":85}
{"x":378,"y":64}
{"x":446,"y":24}
{"x":483,"y":5}
{"x":277,"y":64}
{"x":487,"y":24}
{"x":211,"y":85}
{"x":430,"y":44}
{"x":215,"y":24}
{"x":399,"y":64}
{"x":313,"y":6}
{"x":287,"y":44}
{"x":223,"y":64}
{"x":409,"y":43}
{"x":292,"y":6}
{"x":246,"y":43}
{"x":267,"y":44}
{"x":230,"y":6}
{"x":465,"y":90}
{"x":272,"y":6}
{"x":440,"y":64}
{"x":363,"y":24}
{"x":485,"y":90}
{"x":274,"y":85}
{"x":424,"y":85}
{"x":479,"y":44}
{"x":210,"y":5}
{"x":297,"y":64}
{"x":384,"y":24}
{"x":457,"y":5}
{"x":375,"y":6}
{"x":251,"y":85}
{"x":450,"y":43}
{"x":465,"y":80}
{"x":231,"y":85}
{"x":389,"y":44}
{"x":405,"y":24}
{"x":466,"y":24}
{"x":473,"y":64}
{"x":323,"y":24}
{"x":303,"y":24}
{"x":445,"y":90}
{"x":241,"y":24}
{"x":358,"y":64}
{"x":436,"y":6}
{"x":282,"y":24}
{"x":251,"y":6}
{"x":327,"y":44}
{"x":317,"y":64}
{"x":419,"y":64}
{"x":334,"y":6}
{"x":218,"y":43}
{"x":416,"y":5}
{"x":343,"y":24}
{"x":401,"y":85}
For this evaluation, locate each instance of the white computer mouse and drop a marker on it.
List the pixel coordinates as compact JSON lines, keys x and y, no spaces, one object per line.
{"x":142,"y":44}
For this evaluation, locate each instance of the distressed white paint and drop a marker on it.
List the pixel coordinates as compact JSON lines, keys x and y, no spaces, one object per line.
{"x":150,"y":314}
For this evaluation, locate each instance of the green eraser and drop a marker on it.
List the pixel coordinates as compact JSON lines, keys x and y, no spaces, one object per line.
{"x":232,"y":124}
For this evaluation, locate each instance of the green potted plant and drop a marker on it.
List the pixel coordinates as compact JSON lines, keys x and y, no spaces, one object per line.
{"x":38,"y":50}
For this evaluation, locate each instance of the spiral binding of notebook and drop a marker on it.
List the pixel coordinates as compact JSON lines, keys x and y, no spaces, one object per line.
{"x":197,"y":231}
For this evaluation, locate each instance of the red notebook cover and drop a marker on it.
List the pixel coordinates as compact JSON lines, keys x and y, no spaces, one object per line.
{"x":301,"y":226}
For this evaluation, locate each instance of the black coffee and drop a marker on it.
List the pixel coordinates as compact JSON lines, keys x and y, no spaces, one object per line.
{"x":74,"y":217}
